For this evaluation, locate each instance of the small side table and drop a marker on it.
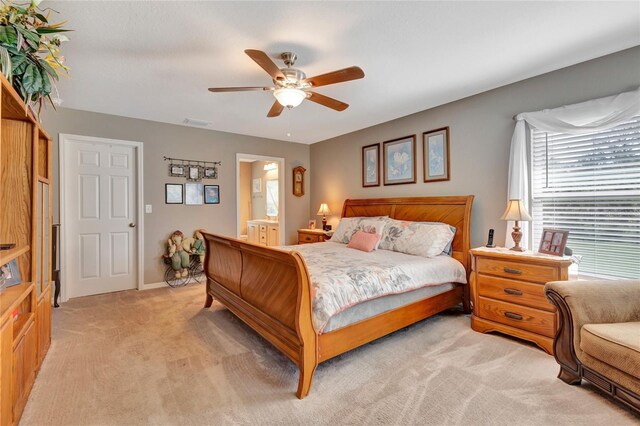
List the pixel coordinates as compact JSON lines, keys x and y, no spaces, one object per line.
{"x":507,"y":289}
{"x":307,"y":236}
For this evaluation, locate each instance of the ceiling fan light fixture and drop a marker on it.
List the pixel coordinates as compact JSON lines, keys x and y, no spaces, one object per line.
{"x":289,"y":97}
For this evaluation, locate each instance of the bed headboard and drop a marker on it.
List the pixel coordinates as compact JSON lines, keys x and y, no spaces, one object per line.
{"x":454,"y":210}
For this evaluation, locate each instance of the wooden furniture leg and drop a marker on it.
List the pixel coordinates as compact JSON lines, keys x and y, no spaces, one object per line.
{"x":209,"y":301}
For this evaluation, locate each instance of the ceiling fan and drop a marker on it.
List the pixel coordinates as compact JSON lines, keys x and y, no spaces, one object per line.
{"x":292,"y":85}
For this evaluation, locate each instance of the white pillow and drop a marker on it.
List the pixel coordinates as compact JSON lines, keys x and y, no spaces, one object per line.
{"x":348,"y":226}
{"x":417,"y":238}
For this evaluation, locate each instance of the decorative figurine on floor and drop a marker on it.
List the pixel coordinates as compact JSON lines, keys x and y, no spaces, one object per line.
{"x":178,"y":255}
{"x":195,"y":245}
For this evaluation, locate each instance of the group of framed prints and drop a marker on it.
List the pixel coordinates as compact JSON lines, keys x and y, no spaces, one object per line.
{"x":192,"y":194}
{"x":399,"y":159}
{"x":553,"y":241}
{"x":193,"y":172}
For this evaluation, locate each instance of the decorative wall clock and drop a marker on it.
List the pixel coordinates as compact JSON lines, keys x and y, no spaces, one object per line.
{"x":298,"y":181}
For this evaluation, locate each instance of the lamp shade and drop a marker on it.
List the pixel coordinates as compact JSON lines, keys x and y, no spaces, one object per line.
{"x":516,"y":211}
{"x":324,"y":210}
{"x":288,"y":97}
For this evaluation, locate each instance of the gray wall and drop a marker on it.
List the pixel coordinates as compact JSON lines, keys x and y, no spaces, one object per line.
{"x":169,"y":140}
{"x":480,"y":131}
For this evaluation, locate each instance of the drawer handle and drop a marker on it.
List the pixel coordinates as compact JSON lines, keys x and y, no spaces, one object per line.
{"x":513,"y":316}
{"x":513,"y":291}
{"x":512,"y":271}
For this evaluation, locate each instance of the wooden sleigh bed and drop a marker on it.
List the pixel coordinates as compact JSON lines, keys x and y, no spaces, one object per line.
{"x":270,"y":290}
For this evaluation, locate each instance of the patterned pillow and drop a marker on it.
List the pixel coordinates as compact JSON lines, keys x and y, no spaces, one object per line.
{"x":348,"y":226}
{"x":426,"y":239}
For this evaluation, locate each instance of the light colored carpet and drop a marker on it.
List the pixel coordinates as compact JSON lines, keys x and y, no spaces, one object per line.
{"x":156,"y":357}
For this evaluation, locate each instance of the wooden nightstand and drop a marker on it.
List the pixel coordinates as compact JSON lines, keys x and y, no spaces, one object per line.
{"x":507,"y":289}
{"x":306,"y":236}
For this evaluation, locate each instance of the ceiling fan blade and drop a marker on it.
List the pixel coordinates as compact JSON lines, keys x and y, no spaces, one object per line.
{"x":346,"y":74}
{"x":238,"y":89}
{"x":327,"y":101}
{"x":276,"y":110}
{"x":266,"y":63}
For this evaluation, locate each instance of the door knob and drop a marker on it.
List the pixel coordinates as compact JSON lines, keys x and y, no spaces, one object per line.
{"x":132,"y":225}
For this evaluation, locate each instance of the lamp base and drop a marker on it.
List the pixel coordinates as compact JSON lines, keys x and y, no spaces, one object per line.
{"x":517,"y":237}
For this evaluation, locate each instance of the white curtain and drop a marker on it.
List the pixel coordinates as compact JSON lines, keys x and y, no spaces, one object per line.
{"x":585,"y":117}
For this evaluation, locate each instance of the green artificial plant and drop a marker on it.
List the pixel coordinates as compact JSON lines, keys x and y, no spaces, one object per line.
{"x":30,"y":56}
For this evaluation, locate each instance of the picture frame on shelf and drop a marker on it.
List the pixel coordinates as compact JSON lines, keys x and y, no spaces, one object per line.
{"x":177,"y":170}
{"x":553,"y":241}
{"x":212,"y":194}
{"x":399,"y":161}
{"x":312,"y":224}
{"x":435,"y":155}
{"x":10,"y":274}
{"x":371,"y":165}
{"x":193,"y":194}
{"x":173,"y":193}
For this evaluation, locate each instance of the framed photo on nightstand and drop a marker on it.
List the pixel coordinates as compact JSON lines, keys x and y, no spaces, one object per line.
{"x":553,"y":241}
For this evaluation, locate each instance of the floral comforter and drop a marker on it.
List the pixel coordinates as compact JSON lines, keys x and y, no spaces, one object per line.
{"x":342,"y":277}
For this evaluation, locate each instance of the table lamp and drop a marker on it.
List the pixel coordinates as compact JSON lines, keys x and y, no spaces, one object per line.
{"x":324,"y":211}
{"x":515,"y":211}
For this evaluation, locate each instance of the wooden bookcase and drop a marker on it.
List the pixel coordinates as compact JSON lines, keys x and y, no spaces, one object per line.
{"x":25,"y":219}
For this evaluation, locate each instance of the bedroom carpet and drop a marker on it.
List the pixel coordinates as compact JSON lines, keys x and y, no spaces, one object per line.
{"x":156,"y":357}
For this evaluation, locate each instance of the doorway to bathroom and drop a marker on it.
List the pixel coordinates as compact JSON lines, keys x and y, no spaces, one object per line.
{"x":260,"y":199}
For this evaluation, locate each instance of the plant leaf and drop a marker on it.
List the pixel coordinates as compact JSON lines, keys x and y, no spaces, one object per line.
{"x":49,"y":30}
{"x":7,"y":35}
{"x":19,"y":64}
{"x":31,"y":79}
{"x":46,"y":83}
{"x":5,"y":63}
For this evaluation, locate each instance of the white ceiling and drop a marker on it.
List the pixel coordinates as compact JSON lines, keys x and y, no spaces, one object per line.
{"x":155,"y":60}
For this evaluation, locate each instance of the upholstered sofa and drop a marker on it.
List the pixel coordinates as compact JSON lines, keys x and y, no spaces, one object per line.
{"x":598,"y":337}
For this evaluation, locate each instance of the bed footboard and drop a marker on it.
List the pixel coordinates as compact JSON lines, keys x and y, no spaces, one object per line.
{"x":268,"y":289}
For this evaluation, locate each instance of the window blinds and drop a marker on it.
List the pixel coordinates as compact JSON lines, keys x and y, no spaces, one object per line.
{"x":590,"y":185}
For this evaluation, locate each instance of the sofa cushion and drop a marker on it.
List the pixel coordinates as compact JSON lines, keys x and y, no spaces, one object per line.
{"x":617,"y":344}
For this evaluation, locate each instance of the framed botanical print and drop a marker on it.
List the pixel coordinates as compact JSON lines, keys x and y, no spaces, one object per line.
{"x":371,"y":165}
{"x":173,"y":193}
{"x":399,"y":160}
{"x":212,"y":194}
{"x":256,"y":185}
{"x":193,"y":194}
{"x":435,"y":155}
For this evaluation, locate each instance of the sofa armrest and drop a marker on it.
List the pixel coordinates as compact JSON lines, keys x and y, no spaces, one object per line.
{"x":588,"y":302}
{"x":600,"y":301}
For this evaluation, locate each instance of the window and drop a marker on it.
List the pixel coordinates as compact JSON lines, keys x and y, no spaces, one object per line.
{"x":590,"y":185}
{"x":272,"y":198}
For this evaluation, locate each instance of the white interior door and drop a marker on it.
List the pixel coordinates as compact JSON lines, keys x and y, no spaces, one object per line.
{"x":100,"y":212}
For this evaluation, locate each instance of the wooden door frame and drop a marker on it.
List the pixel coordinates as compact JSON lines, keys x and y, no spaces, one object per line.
{"x":63,"y":140}
{"x":282,"y":196}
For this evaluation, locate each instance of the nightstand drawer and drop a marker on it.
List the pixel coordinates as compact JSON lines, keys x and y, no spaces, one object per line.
{"x":519,"y":292}
{"x":522,"y":317}
{"x":517,"y":270}
{"x":308,"y":238}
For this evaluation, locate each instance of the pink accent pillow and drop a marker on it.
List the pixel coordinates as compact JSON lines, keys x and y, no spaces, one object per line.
{"x":364,"y":241}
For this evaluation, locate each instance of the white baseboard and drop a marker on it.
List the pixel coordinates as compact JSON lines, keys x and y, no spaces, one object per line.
{"x":152,"y":286}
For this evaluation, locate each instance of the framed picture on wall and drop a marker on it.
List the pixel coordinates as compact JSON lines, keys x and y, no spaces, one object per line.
{"x":371,"y":165}
{"x":256,"y":185}
{"x":212,"y":194}
{"x":193,"y":194}
{"x":435,"y":155}
{"x":173,"y":193}
{"x":399,"y":160}
{"x":177,"y":170}
{"x":195,"y":173}
{"x":211,"y":172}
